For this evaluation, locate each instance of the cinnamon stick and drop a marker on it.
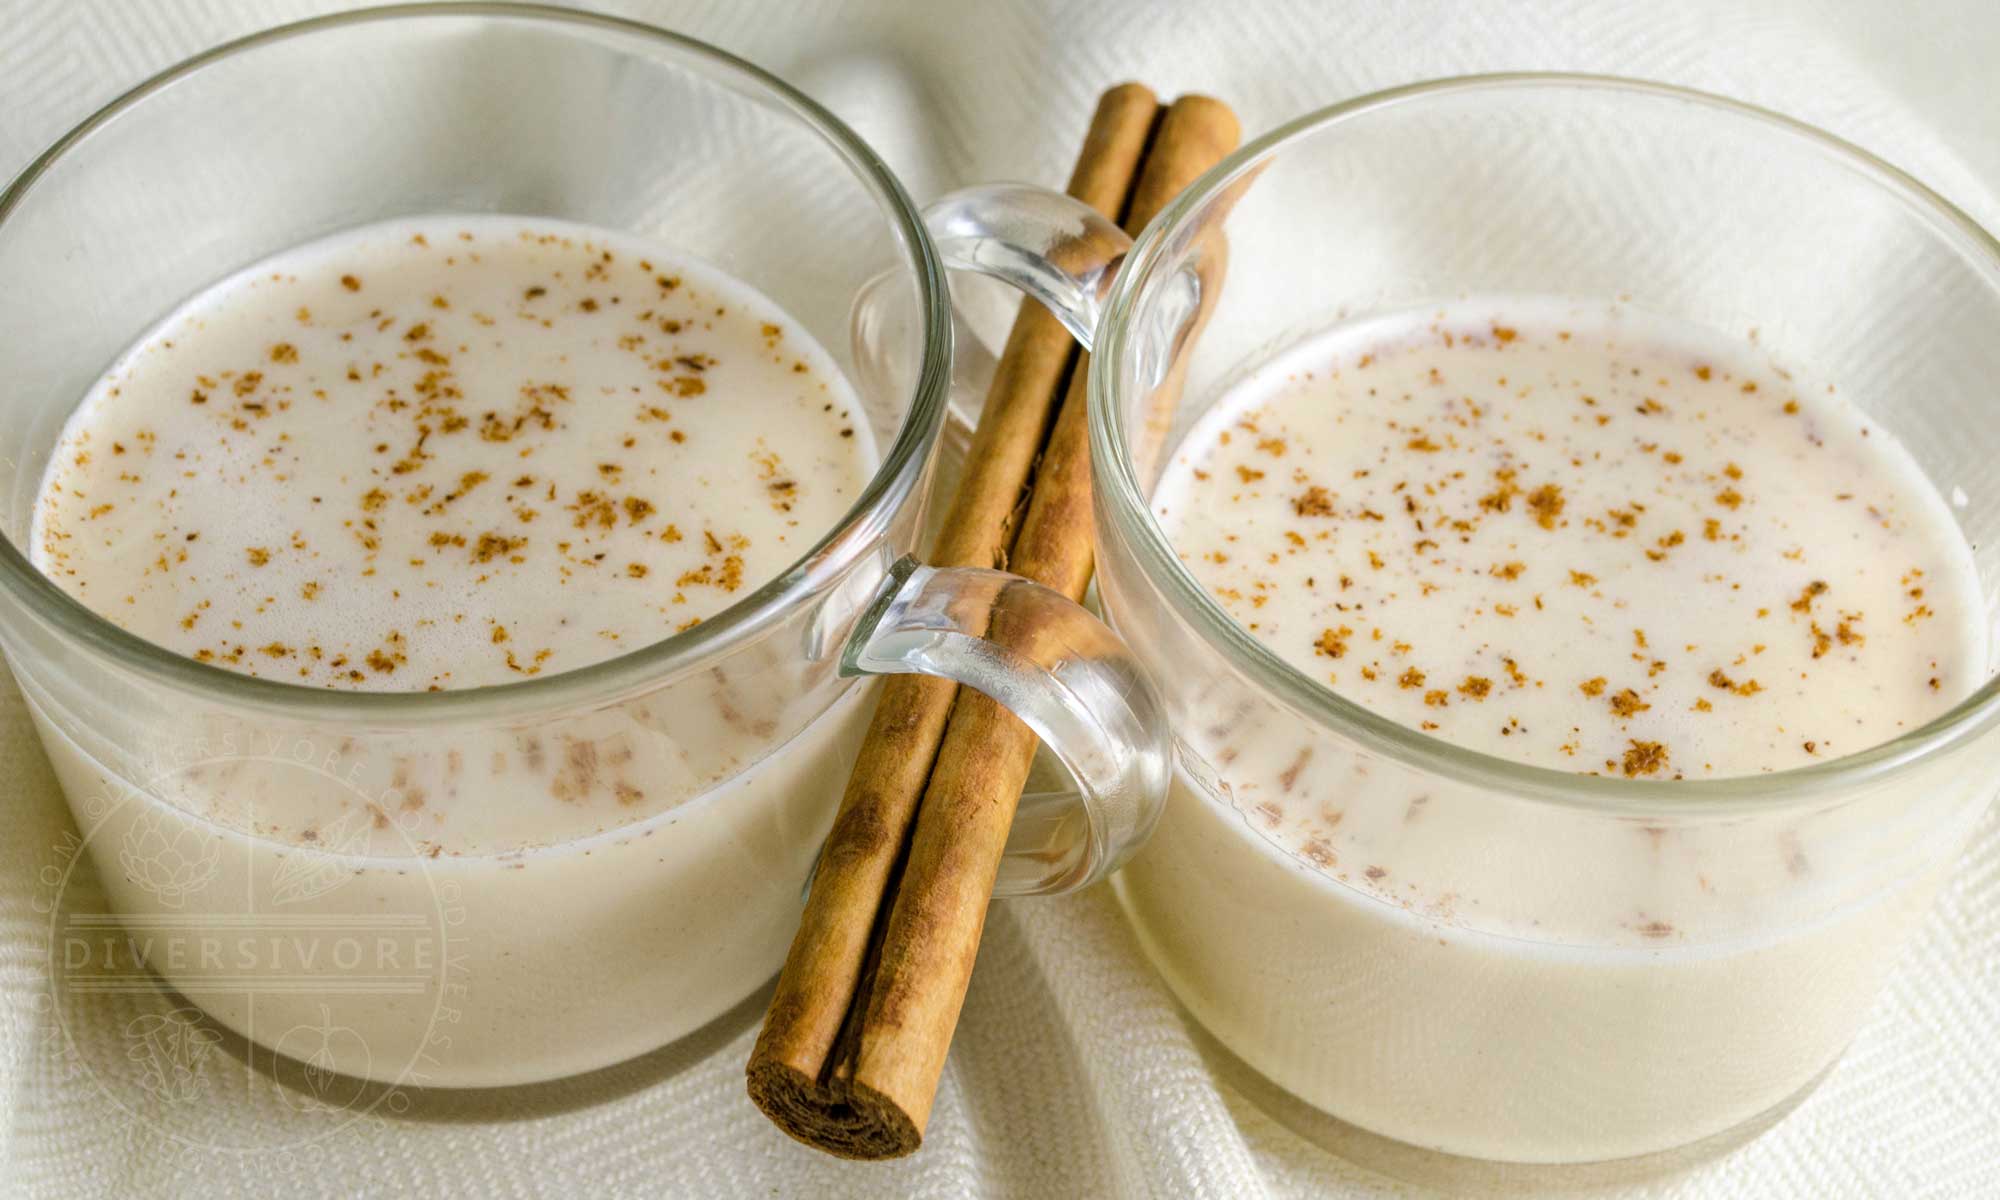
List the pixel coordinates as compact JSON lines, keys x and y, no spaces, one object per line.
{"x":932,"y":938}
{"x":856,"y":1038}
{"x":798,"y":1068}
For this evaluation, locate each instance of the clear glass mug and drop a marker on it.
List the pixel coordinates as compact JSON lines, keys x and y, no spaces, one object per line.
{"x":511,"y":883}
{"x":1593,"y":968}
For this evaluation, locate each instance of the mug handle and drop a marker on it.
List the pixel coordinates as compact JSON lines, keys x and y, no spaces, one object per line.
{"x":1057,"y":249}
{"x":1062,"y":671}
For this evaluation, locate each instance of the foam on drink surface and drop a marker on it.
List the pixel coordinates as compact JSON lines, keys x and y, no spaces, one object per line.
{"x":449,"y":452}
{"x":1582,"y":538}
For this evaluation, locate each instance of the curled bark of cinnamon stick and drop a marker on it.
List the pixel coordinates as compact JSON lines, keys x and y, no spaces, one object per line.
{"x":856,"y":1036}
{"x":793,"y":1072}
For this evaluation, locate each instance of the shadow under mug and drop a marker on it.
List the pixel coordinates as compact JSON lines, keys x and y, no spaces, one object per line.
{"x":510,"y":883}
{"x":1480,"y":958}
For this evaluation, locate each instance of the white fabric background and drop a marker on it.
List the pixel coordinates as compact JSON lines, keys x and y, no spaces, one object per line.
{"x":1073,"y":1073}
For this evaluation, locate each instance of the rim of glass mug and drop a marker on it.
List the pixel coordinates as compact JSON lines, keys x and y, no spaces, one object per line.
{"x":853,"y":536}
{"x":1121,"y":497}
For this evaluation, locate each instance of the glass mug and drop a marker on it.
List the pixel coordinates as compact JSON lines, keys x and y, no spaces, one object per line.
{"x":511,"y":883}
{"x":1588,"y":969}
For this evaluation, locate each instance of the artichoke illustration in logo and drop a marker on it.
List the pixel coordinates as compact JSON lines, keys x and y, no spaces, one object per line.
{"x":172,"y":1050}
{"x":333,"y":1061}
{"x":170,"y":860}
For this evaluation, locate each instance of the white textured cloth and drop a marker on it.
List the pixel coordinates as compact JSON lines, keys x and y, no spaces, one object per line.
{"x":1073,"y":1072}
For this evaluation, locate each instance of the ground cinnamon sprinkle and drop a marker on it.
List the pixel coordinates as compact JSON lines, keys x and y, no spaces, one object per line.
{"x":1627,"y":703}
{"x":1313,"y":502}
{"x":1748,"y":687}
{"x":1501,"y":498}
{"x":1333,"y":642}
{"x":1816,"y":588}
{"x":1644,"y":758}
{"x":1546,"y":502}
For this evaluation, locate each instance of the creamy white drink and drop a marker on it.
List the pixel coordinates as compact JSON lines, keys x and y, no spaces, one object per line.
{"x":448,"y":453}
{"x":1584,"y":539}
